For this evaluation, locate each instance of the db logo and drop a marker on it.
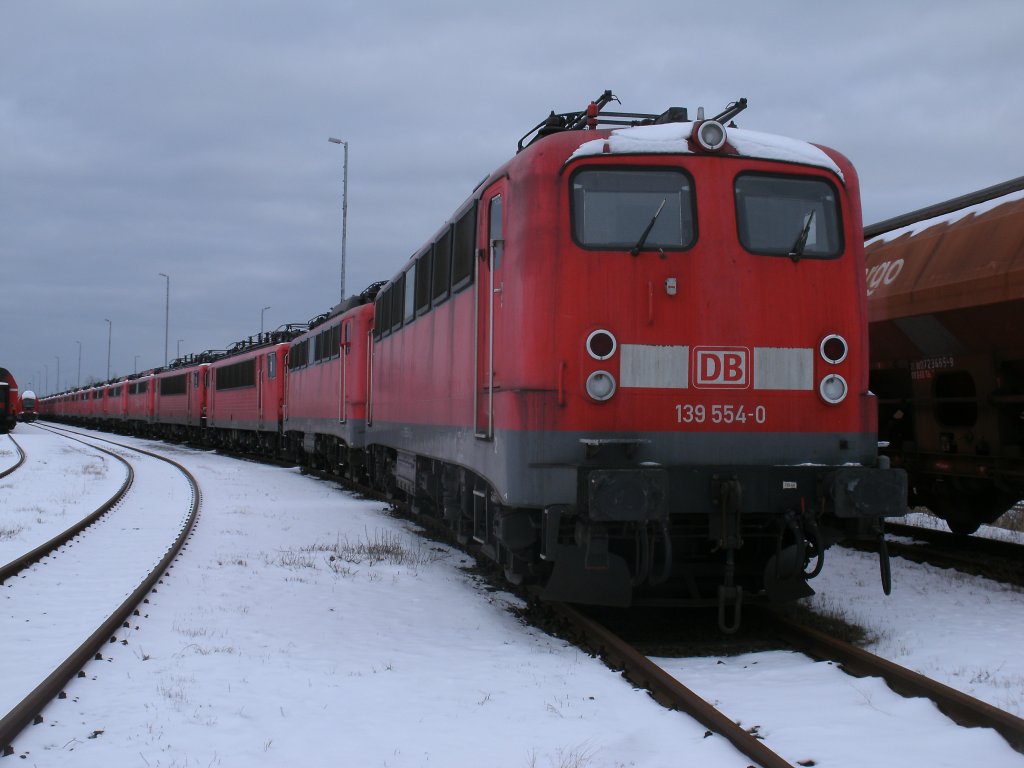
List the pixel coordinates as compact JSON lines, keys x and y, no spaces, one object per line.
{"x":721,"y":367}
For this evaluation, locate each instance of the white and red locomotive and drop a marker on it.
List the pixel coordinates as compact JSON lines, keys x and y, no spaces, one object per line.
{"x":633,"y":366}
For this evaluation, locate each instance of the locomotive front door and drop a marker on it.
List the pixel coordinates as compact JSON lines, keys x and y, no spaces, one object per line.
{"x":259,"y":392}
{"x":489,"y":287}
{"x":346,"y":345}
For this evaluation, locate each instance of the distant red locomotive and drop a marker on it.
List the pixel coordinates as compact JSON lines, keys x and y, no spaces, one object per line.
{"x":29,"y":409}
{"x":634,"y":363}
{"x":245,"y":397}
{"x":9,"y":401}
{"x":180,"y":400}
{"x":945,"y":295}
{"x":326,"y":397}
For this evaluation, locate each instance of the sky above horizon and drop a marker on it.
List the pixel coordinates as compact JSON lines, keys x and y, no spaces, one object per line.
{"x":190,"y":139}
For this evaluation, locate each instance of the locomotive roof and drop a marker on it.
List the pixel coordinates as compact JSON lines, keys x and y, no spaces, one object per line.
{"x":973,"y":256}
{"x":673,"y":138}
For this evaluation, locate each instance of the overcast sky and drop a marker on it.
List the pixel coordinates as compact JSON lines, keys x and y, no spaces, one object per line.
{"x":190,"y":138}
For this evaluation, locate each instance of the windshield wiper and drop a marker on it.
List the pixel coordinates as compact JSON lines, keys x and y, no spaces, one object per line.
{"x":801,"y":240}
{"x":643,"y":238}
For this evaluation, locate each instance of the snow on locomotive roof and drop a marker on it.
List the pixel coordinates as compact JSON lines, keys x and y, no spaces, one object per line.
{"x":672,"y":138}
{"x":949,"y":218}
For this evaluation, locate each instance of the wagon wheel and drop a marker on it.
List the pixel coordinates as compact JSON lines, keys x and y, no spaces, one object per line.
{"x":966,"y":506}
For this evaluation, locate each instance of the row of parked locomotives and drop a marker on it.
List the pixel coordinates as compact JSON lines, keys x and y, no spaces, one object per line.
{"x":9,"y":401}
{"x":631,"y":367}
{"x":946,"y":298}
{"x":298,"y":392}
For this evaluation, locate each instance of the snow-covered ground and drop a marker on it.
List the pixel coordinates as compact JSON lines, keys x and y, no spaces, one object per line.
{"x":60,"y":483}
{"x":302,"y":626}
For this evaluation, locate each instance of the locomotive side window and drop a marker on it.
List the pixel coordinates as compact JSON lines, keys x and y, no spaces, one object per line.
{"x":497,"y":236}
{"x":384,"y":312}
{"x":242,"y":374}
{"x":271,"y":365}
{"x":442,"y":277}
{"x":410,"y":294}
{"x":622,"y":209}
{"x":398,"y":302}
{"x":172,"y":385}
{"x":462,"y":249}
{"x":788,"y":216}
{"x":378,"y":311}
{"x":423,"y":282}
{"x":297,"y":359}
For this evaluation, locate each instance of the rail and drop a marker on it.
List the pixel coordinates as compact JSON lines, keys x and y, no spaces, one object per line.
{"x":21,"y":458}
{"x":29,"y":708}
{"x":666,"y":689}
{"x":958,"y":706}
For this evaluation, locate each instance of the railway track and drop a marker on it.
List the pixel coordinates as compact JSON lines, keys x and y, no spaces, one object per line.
{"x":665,"y":688}
{"x":997,"y":560}
{"x":20,"y":461}
{"x":670,"y":692}
{"x":23,"y":561}
{"x":962,"y":709}
{"x":91,"y":585}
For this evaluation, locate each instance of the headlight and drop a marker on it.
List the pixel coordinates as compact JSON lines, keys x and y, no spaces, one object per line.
{"x":833,"y":389}
{"x":833,"y":348}
{"x":601,"y":344}
{"x":711,"y":135}
{"x":600,"y":385}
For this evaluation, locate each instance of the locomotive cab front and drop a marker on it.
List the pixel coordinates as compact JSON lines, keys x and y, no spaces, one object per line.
{"x":703,"y":314}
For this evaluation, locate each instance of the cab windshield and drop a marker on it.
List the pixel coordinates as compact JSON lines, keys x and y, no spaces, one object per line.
{"x":613,"y":208}
{"x":788,"y":216}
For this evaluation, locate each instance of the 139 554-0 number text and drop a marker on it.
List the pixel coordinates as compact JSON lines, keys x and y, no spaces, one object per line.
{"x":720,"y":414}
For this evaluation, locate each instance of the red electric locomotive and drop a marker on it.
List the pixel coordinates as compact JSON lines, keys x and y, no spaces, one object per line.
{"x":325,"y":402}
{"x":138,"y":395}
{"x":945,"y":293}
{"x":245,"y":395}
{"x":8,"y":401}
{"x":29,"y":409}
{"x":180,"y":406}
{"x":633,"y":366}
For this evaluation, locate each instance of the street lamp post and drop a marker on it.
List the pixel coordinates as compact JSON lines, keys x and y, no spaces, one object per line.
{"x":344,"y":211}
{"x":79,"y":384}
{"x":261,"y":320}
{"x":167,"y":315}
{"x":57,"y":387}
{"x":110,"y":334}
